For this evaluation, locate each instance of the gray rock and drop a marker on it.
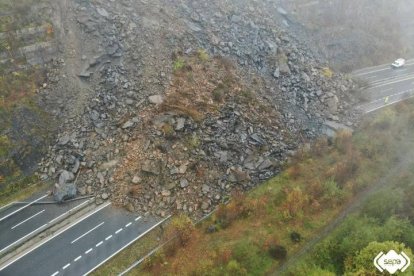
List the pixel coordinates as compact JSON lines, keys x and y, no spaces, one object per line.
{"x":105,"y":196}
{"x":128,"y":124}
{"x":239,"y":176}
{"x":156,"y":99}
{"x":205,"y":205}
{"x":64,"y":140}
{"x":65,"y":177}
{"x":180,"y":124}
{"x":102,"y":12}
{"x":76,"y":166}
{"x":183,"y":183}
{"x":205,"y":188}
{"x":64,"y":192}
{"x":265,"y":165}
{"x":151,"y":167}
{"x":332,"y":104}
{"x":282,"y":11}
{"x":136,"y":179}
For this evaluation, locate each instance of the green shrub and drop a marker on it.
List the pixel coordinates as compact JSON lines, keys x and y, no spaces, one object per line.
{"x":278,"y":252}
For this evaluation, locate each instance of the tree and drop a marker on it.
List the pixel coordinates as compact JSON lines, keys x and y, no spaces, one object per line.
{"x":362,"y":262}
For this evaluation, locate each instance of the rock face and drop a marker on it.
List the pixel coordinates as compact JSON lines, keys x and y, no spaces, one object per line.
{"x":157,"y":134}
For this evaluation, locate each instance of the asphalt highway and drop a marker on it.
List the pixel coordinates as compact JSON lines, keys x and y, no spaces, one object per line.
{"x":83,"y":246}
{"x":20,"y":220}
{"x":386,"y":85}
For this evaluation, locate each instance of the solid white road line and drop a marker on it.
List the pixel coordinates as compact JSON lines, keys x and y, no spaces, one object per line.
{"x":77,"y":206}
{"x":379,"y":68}
{"x":20,"y":223}
{"x":66,"y":266}
{"x":54,"y":274}
{"x":55,"y":235}
{"x":83,"y":235}
{"x":118,"y":231}
{"x":128,"y":224}
{"x":390,"y":79}
{"x":138,"y":218}
{"x":107,"y":238}
{"x":128,"y":244}
{"x":22,"y":238}
{"x":5,"y":206}
{"x":392,"y":82}
{"x":77,"y":258}
{"x":24,"y":207}
{"x":392,"y":95}
{"x":99,"y":244}
{"x":88,"y":251}
{"x":374,"y":109}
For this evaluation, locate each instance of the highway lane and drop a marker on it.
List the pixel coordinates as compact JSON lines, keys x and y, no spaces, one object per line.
{"x":83,"y":246}
{"x":17,"y":222}
{"x":386,"y":85}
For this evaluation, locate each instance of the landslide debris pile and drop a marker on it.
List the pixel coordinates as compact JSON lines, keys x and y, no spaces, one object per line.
{"x":187,"y":102}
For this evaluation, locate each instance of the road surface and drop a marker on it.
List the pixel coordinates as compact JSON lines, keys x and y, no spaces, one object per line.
{"x":386,"y":86}
{"x":20,"y":220}
{"x":83,"y":246}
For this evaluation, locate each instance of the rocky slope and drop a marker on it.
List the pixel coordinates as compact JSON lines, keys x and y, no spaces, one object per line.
{"x":171,"y":105}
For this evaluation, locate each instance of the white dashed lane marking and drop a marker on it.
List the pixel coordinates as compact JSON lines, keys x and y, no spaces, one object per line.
{"x":97,"y":245}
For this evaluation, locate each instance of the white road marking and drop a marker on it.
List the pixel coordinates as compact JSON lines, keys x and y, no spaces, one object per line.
{"x":66,"y":266}
{"x":99,"y":243}
{"x":128,"y":224}
{"x":375,"y":69}
{"x":374,"y":109}
{"x":77,"y":258}
{"x":25,"y":206}
{"x":118,"y":231}
{"x":390,"y":79}
{"x":391,"y":82}
{"x":5,"y":206}
{"x":54,"y":274}
{"x":125,"y":246}
{"x":29,"y":218}
{"x":392,"y":95}
{"x":138,"y":218}
{"x":107,"y":238}
{"x":54,"y":236}
{"x":86,"y":233}
{"x":44,"y":225}
{"x":88,"y":251}
{"x":77,"y":206}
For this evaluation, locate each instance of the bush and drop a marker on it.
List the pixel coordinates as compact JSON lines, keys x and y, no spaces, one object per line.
{"x":295,"y":237}
{"x":234,"y":268}
{"x":178,"y":234}
{"x":278,"y":252}
{"x":237,"y":208}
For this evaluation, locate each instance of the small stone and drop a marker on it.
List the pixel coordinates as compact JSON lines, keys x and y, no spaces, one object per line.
{"x":183,"y":183}
{"x":156,"y":99}
{"x":205,"y":205}
{"x":136,"y":179}
{"x":104,"y":196}
{"x":98,"y":200}
{"x":180,"y":124}
{"x":129,"y":207}
{"x":205,"y":188}
{"x":165,"y":193}
{"x":128,"y":124}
